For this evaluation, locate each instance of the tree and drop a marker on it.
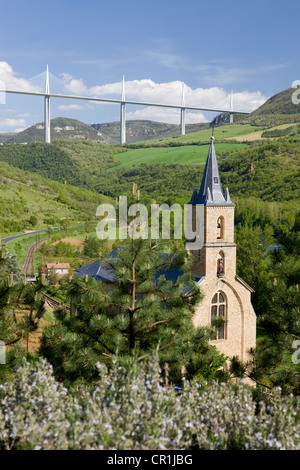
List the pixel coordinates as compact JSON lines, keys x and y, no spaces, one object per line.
{"x":52,"y":277}
{"x":21,"y":307}
{"x":253,"y":264}
{"x":275,"y":356}
{"x":33,"y":220}
{"x":10,"y":268}
{"x":145,"y":310}
{"x":276,"y":360}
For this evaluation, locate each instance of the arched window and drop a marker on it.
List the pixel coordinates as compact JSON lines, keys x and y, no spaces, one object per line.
{"x":219,"y":310}
{"x":220,"y":228}
{"x":221,"y":264}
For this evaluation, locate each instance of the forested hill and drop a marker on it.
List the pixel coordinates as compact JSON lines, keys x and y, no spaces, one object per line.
{"x":268,"y":170}
{"x":279,"y":109}
{"x":140,"y":130}
{"x":74,"y":162}
{"x":66,"y":128}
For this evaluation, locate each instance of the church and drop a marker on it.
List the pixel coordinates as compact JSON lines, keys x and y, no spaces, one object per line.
{"x":214,"y":267}
{"x":226,"y":295}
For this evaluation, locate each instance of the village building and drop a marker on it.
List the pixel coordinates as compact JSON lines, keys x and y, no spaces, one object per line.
{"x":60,"y":269}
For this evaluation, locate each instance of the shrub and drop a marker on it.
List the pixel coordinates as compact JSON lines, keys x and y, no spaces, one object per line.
{"x":135,"y":409}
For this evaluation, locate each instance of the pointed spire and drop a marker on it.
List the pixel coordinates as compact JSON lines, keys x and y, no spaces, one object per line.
{"x":194,"y":196}
{"x":227,"y":196}
{"x":210,"y":193}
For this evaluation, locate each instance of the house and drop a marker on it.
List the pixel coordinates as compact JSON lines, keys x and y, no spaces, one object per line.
{"x":60,"y":269}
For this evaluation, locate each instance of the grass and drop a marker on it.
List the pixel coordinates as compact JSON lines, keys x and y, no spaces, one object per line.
{"x":229,"y":131}
{"x":19,"y":246}
{"x":189,"y":154}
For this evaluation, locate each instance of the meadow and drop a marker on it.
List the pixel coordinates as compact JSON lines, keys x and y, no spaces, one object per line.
{"x":220,"y":133}
{"x":184,"y":155}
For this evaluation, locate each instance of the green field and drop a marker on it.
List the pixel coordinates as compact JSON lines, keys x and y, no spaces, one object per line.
{"x":229,"y":131}
{"x":188,"y":154}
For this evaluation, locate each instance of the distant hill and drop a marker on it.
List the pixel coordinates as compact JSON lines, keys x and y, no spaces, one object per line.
{"x":279,"y":109}
{"x":276,"y":110}
{"x":140,"y":130}
{"x":223,"y":118}
{"x":6,"y":136}
{"x":61,"y":128}
{"x":109,"y":133}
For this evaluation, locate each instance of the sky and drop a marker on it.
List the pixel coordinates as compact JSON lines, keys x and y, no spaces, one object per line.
{"x":251,"y":48}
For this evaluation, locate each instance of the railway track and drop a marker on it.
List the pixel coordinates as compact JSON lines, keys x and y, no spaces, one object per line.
{"x":27,"y":266}
{"x":53,"y":303}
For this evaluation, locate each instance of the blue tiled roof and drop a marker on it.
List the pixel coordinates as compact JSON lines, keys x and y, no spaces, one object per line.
{"x":103,"y":271}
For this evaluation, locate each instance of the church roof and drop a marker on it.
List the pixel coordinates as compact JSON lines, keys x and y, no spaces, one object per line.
{"x":210,"y":193}
{"x":104,"y":271}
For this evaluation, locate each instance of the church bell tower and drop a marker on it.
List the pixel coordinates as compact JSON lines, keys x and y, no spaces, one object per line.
{"x":217,"y":256}
{"x":226,"y":295}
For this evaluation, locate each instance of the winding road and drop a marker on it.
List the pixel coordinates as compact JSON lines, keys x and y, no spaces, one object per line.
{"x":9,"y":239}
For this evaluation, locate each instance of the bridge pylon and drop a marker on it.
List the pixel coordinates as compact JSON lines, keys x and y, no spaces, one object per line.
{"x":47,"y":134}
{"x":231,"y":108}
{"x":182,"y":113}
{"x":123,"y":115}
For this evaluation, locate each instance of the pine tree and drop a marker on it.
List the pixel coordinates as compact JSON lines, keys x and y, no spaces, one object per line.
{"x":276,"y":361}
{"x":142,"y":312}
{"x":21,"y":307}
{"x":253,"y":263}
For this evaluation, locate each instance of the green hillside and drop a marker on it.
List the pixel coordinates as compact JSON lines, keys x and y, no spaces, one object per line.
{"x":140,"y":130}
{"x":274,"y":175}
{"x":279,"y":104}
{"x":78,"y":163}
{"x":29,"y":201}
{"x":278,"y":109}
{"x":221,"y":133}
{"x":183,"y":155}
{"x":112,"y":170}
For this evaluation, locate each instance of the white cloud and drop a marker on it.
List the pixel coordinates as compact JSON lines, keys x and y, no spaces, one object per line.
{"x":12,"y":123}
{"x":10,"y":81}
{"x":148,"y":91}
{"x":167,"y":115}
{"x":70,"y":107}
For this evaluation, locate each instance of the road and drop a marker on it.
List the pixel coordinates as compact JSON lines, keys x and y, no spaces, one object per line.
{"x":9,"y":239}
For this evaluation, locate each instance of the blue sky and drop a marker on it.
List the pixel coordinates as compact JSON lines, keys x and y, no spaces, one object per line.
{"x":251,"y":48}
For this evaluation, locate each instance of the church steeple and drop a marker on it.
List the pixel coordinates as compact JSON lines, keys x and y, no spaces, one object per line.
{"x":210,"y":193}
